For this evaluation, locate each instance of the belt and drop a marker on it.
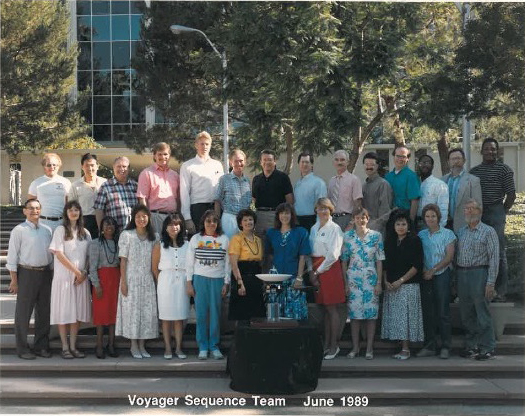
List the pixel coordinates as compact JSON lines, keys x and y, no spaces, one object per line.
{"x":156,"y":211}
{"x":472,"y":267}
{"x":51,"y":218}
{"x":340,"y":214}
{"x":36,"y":269}
{"x":265,"y":209}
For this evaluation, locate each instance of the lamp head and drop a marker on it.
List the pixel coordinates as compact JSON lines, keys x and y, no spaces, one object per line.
{"x":177,"y":29}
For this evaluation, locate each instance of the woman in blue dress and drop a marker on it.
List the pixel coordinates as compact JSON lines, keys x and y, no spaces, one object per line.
{"x":287,"y":246}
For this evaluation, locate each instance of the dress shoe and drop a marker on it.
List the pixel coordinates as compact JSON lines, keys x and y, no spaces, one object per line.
{"x":100,"y":354}
{"x":44,"y":353}
{"x":27,"y":356}
{"x":444,"y":354}
{"x":332,"y":356}
{"x":112,"y":352}
{"x":425,"y":352}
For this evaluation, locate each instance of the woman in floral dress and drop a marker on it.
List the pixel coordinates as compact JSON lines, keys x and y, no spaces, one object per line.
{"x":288,"y":245}
{"x":362,"y":263}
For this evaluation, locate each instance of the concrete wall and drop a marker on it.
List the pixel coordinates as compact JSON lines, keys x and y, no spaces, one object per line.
{"x":513,"y":155}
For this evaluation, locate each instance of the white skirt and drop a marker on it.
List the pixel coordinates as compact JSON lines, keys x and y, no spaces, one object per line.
{"x":174,"y":303}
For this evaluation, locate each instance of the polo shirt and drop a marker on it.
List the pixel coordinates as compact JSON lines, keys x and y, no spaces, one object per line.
{"x":85,"y":194}
{"x":271,"y":191}
{"x":497,"y":180}
{"x":405,"y":185}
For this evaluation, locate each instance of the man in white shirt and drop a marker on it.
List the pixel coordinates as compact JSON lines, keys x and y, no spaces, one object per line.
{"x":85,"y":191}
{"x":51,"y":190}
{"x":433,"y":191}
{"x":29,"y":264}
{"x":198,"y":181}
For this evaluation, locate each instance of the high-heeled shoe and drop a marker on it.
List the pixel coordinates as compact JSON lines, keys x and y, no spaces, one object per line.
{"x":100,"y":354}
{"x":369,"y":355}
{"x":111,"y":351}
{"x":144,"y":353}
{"x":135,"y":353}
{"x":353,"y":354}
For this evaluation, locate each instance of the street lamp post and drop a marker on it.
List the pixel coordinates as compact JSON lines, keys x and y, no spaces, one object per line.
{"x":177,"y":29}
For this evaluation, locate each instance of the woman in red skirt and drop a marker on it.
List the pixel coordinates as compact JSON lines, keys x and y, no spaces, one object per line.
{"x":104,"y":273}
{"x":326,"y":240}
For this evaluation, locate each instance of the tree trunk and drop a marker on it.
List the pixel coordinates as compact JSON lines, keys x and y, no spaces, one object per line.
{"x":288,"y":136}
{"x":443,"y":146}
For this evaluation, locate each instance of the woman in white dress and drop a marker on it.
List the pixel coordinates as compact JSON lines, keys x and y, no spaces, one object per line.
{"x":168,"y":266}
{"x":70,"y":301}
{"x":137,"y":302}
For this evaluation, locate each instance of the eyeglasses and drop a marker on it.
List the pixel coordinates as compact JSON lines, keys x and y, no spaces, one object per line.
{"x":401,"y":157}
{"x":51,"y":165}
{"x":470,"y":209}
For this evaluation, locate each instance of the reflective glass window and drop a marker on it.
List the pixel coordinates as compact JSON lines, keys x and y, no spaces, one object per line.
{"x":121,"y":106}
{"x":85,"y":111}
{"x":100,"y":7}
{"x":120,"y":27}
{"x":84,"y":57}
{"x":138,"y":109}
{"x":134,"y":48}
{"x":102,"y":133}
{"x":120,"y":7}
{"x":101,"y":55}
{"x":135,"y":27}
{"x":136,"y":7}
{"x":83,"y":8}
{"x":100,"y":26}
{"x":83,"y":28}
{"x":83,"y":80}
{"x":121,"y":55}
{"x":101,"y":110}
{"x":120,"y":132}
{"x":121,"y":83}
{"x":136,"y":82}
{"x":101,"y":83}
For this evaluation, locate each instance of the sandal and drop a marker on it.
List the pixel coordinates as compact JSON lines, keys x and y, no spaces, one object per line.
{"x":353,"y":354}
{"x":369,"y":355}
{"x":77,"y":354}
{"x":66,"y":355}
{"x":403,"y":355}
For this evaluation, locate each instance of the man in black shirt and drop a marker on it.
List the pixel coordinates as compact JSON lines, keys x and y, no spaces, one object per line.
{"x":269,"y":189}
{"x":498,"y":193}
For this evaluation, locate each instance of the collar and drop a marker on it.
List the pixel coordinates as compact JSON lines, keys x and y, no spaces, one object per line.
{"x":372,"y":178}
{"x":157,"y":167}
{"x":345,"y":173}
{"x":233,"y":175}
{"x":307,"y":175}
{"x":201,"y":159}
{"x":115,"y":181}
{"x":32,"y":225}
{"x":459,"y":175}
{"x":399,"y":171}
{"x":270,"y":175}
{"x":475,"y":228}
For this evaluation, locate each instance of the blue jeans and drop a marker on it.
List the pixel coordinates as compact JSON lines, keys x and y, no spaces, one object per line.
{"x":208,"y":311}
{"x":435,"y":302}
{"x":474,"y":309}
{"x":495,"y":216}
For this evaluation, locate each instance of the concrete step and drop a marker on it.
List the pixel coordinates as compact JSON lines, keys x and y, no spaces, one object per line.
{"x":377,"y":391}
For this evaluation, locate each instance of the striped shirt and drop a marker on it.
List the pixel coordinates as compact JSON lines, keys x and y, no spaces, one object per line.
{"x":497,"y":180}
{"x":479,"y":246}
{"x":435,"y":246}
{"x":117,"y":200}
{"x":234,"y":193}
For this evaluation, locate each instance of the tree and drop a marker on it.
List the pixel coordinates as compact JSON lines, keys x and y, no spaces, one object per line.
{"x":37,"y":74}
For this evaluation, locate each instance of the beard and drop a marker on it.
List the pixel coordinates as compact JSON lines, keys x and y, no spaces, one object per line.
{"x":472,"y":218}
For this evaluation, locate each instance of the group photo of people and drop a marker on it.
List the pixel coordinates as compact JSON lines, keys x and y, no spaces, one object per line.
{"x":384,"y":255}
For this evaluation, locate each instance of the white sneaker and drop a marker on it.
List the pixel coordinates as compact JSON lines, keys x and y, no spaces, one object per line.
{"x":203,"y":355}
{"x":217,"y":355}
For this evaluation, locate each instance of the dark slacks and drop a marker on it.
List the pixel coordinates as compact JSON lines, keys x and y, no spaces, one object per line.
{"x":34,"y":292}
{"x":495,"y":216}
{"x":197,"y":211}
{"x":435,"y":302}
{"x":90,"y":223}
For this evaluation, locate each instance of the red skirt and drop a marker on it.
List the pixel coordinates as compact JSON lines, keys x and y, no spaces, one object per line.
{"x":105,"y":308}
{"x":332,"y":288}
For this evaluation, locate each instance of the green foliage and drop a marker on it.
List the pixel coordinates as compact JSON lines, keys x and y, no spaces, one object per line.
{"x":37,"y":74}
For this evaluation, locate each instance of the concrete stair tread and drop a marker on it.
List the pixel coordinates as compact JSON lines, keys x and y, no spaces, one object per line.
{"x":82,"y":388}
{"x":511,"y":364}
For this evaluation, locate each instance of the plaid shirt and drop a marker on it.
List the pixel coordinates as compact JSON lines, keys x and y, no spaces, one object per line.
{"x":479,"y":246}
{"x":117,"y":200}
{"x":234,"y":193}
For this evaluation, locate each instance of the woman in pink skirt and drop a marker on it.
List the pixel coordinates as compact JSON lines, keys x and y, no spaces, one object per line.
{"x":104,"y":274}
{"x":70,"y":301}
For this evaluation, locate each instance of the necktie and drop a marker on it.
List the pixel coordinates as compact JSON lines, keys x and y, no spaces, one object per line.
{"x":335,"y":190}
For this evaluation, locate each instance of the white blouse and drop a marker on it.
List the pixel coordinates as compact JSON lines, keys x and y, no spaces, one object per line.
{"x":326,"y":242}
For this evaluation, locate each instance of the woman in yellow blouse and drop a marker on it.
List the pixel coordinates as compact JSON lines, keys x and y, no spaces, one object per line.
{"x":246,"y":253}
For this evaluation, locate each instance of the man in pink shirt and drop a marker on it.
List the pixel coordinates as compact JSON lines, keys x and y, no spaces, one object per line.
{"x":344,"y":190}
{"x":159,"y":186}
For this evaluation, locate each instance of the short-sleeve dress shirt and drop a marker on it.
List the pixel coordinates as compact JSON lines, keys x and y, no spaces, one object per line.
{"x":234,"y":193}
{"x":434,"y":191}
{"x":435,"y":246}
{"x":160,"y":187}
{"x":350,"y":189}
{"x":117,"y":200}
{"x":86,"y":194}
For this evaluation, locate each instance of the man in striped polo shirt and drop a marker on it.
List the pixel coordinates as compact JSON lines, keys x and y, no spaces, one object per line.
{"x":498,"y":193}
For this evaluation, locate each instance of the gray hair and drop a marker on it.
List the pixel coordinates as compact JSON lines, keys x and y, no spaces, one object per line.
{"x":342,"y":152}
